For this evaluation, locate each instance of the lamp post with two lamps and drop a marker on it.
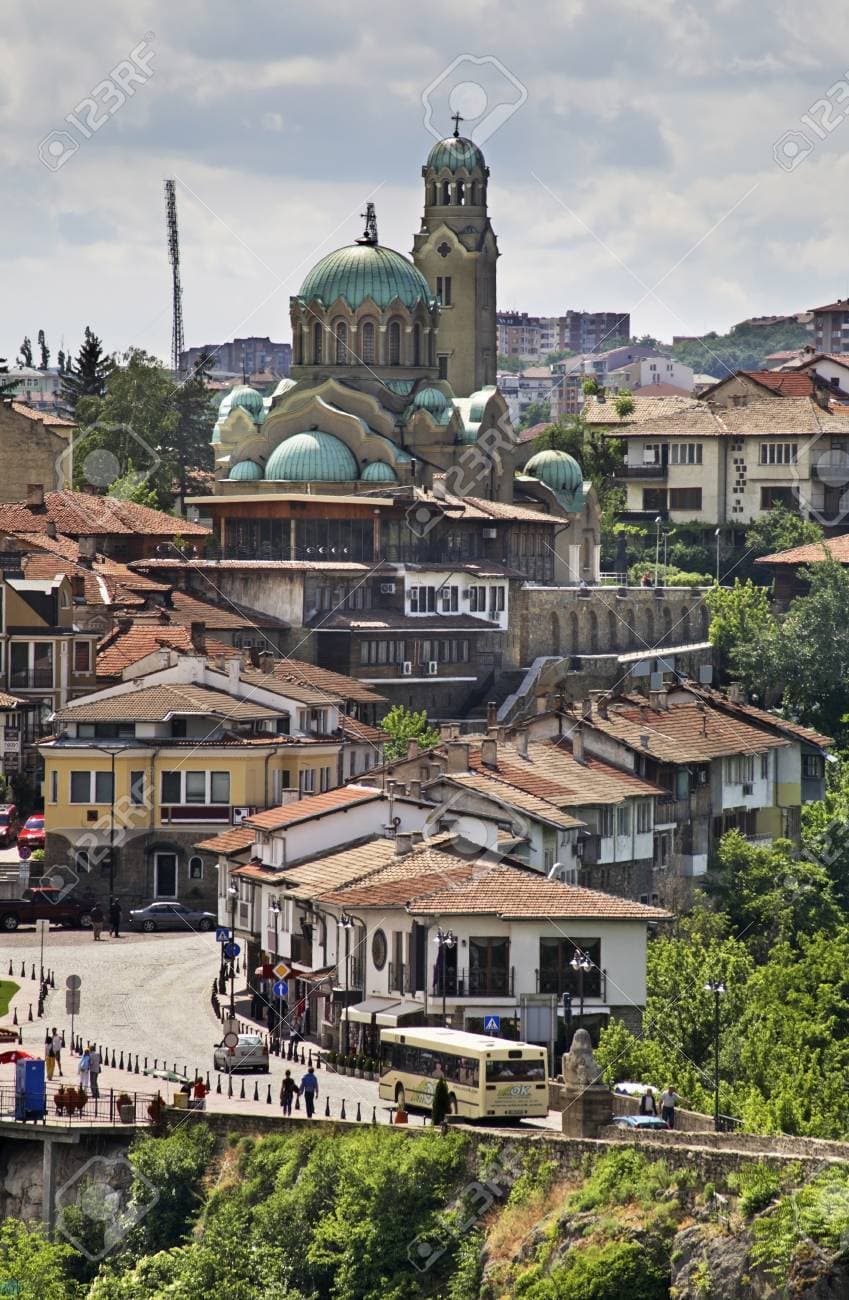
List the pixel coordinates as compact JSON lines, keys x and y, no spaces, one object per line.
{"x":345,"y":923}
{"x":445,"y":940}
{"x":274,"y":909}
{"x":232,"y":895}
{"x":717,"y":988}
{"x":581,"y":965}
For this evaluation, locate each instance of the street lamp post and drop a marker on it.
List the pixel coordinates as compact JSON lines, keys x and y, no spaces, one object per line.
{"x":232,"y":894}
{"x":717,"y":988}
{"x":444,"y":940}
{"x":657,"y":523}
{"x":274,"y":909}
{"x":581,"y":963}
{"x":717,"y":535}
{"x":345,"y":923}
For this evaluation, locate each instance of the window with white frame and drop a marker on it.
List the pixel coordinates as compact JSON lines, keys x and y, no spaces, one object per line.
{"x":184,"y":787}
{"x":740,"y":769}
{"x":765,"y":767}
{"x":779,"y":453}
{"x":685,"y":453}
{"x":605,"y":823}
{"x":449,"y":598}
{"x":623,"y":819}
{"x":477,"y":599}
{"x":422,"y":600}
{"x":91,"y":787}
{"x":306,"y":781}
{"x":644,"y":821}
{"x":496,"y":600}
{"x":325,"y":779}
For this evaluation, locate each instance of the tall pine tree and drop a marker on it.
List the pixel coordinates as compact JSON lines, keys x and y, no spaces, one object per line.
{"x":190,"y":448}
{"x":88,"y":375}
{"x":44,"y":350}
{"x":26,"y":352}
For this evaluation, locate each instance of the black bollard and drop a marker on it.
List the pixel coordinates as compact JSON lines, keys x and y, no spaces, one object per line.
{"x":242,"y":1093}
{"x":113,"y":1059}
{"x":121,"y":1062}
{"x":342,"y":1111}
{"x":20,"y":1037}
{"x":309,"y":1059}
{"x":136,"y":1071}
{"x":32,"y":976}
{"x":145,"y":1065}
{"x":374,"y":1114}
{"x":23,"y":971}
{"x":229,"y":1085}
{"x":156,"y":1062}
{"x":63,"y":1038}
{"x":256,"y":1090}
{"x":359,"y":1116}
{"x":268,"y":1098}
{"x":218,"y":1087}
{"x":29,"y":1017}
{"x":15,"y":1016}
{"x":327,"y":1108}
{"x":318,"y":1060}
{"x":207,"y":1081}
{"x":11,"y":972}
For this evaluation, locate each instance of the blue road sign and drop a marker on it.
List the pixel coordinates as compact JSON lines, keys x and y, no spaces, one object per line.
{"x":223,"y":934}
{"x":231,"y":950}
{"x":492,"y":1024}
{"x":280,"y":989}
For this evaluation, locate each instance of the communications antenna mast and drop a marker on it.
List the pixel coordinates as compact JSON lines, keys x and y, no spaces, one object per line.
{"x":176,"y":288}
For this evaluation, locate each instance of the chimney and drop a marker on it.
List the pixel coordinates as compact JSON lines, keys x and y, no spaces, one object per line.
{"x":457,"y":755}
{"x":586,"y":709}
{"x":644,"y":740}
{"x":253,"y":657}
{"x":88,"y":549}
{"x":417,"y":837}
{"x":197,"y":635}
{"x":266,"y":661}
{"x":35,"y":496}
{"x":736,"y":694}
{"x":659,"y":699}
{"x":521,"y":742}
{"x":123,"y":625}
{"x":415,"y":789}
{"x":168,"y":599}
{"x":599,"y":701}
{"x":246,"y":658}
{"x":403,"y":844}
{"x":412,"y":748}
{"x":234,"y":672}
{"x":578,"y":745}
{"x":491,"y":715}
{"x":78,"y":588}
{"x":489,"y":752}
{"x":439,"y":489}
{"x":449,"y":730}
{"x":50,"y":528}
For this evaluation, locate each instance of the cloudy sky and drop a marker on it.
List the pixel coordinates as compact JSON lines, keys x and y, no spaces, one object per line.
{"x":632,"y":147}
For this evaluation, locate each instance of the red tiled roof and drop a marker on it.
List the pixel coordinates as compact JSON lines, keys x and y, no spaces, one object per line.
{"x":337,"y":685}
{"x":314,"y":805}
{"x":720,"y":701}
{"x":185,"y":608}
{"x":552,"y":772}
{"x":54,"y":421}
{"x":120,"y":649}
{"x":681,"y":733}
{"x":842,"y":304}
{"x":235,"y":840}
{"x":788,"y":383}
{"x":362,"y":732}
{"x":834,"y":548}
{"x":81,"y":514}
{"x":513,"y":894}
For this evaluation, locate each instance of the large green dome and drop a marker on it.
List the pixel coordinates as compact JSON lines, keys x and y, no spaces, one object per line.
{"x":361,"y":271}
{"x":557,"y":469}
{"x":312,"y":457}
{"x":457,"y":154}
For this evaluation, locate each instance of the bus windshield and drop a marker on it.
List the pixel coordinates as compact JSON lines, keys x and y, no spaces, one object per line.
{"x":504,"y":1071}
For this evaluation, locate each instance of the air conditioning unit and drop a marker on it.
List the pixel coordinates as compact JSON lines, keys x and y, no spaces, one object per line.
{"x":748,"y":788}
{"x":239,"y":815}
{"x":406,"y":668}
{"x":489,"y":533}
{"x":432,"y":668}
{"x":387,"y":589}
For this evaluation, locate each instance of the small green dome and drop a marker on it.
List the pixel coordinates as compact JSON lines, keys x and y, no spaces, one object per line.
{"x":244,"y":471}
{"x":457,"y":154}
{"x":312,"y":457}
{"x":379,"y":472}
{"x":361,"y":271}
{"x":557,"y":469}
{"x":248,"y":398}
{"x":430,"y":399}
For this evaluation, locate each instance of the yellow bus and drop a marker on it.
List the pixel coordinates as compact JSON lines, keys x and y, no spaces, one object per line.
{"x":488,"y":1078}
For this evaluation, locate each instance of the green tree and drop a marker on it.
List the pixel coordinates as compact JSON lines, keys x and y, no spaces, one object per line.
{"x":39,"y":1268}
{"x":88,"y":376}
{"x":26,"y":352}
{"x":7,"y":387}
{"x":535,"y":413}
{"x":44,"y":351}
{"x":778,"y":529}
{"x":599,"y":456}
{"x":746,"y":635}
{"x":623,"y":403}
{"x":190,"y":448}
{"x":814,"y":650}
{"x":60,"y":361}
{"x":403,"y":725}
{"x":441,"y":1104}
{"x":514,"y":364}
{"x":590,"y":386}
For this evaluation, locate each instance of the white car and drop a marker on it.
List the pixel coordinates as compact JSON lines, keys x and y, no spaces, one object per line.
{"x":250,"y":1053}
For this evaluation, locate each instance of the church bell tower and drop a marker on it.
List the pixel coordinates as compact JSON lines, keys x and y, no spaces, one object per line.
{"x":456,"y":252}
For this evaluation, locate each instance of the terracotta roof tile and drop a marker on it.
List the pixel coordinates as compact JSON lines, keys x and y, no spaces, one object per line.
{"x":511,"y":893}
{"x":185,"y":608}
{"x":362,"y":732}
{"x":81,"y":514}
{"x":52,"y":421}
{"x":235,"y":840}
{"x":784,"y":725}
{"x":337,"y":685}
{"x":788,"y":383}
{"x":158,"y":703}
{"x":551,"y":772}
{"x":835,"y":548}
{"x":390,"y":620}
{"x":512,"y":796}
{"x":312,"y":806}
{"x":645,"y":408}
{"x":682,"y":733}
{"x":120,"y":649}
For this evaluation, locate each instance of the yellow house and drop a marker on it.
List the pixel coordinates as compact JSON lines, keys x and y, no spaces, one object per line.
{"x":136,"y":773}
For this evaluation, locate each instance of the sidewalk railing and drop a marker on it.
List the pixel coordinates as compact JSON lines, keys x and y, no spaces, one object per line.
{"x":61,"y":1105}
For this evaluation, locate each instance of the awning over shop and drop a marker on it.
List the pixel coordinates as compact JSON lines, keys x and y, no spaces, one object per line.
{"x":383,"y":1011}
{"x":311,"y":974}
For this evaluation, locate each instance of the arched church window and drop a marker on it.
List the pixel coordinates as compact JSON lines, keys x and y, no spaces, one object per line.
{"x":317,"y":332}
{"x":431,"y":348}
{"x":298,"y":343}
{"x":461,"y":192}
{"x":395,"y":343}
{"x":433,"y":194}
{"x":368,"y":342}
{"x":417,"y":345}
{"x":341,"y":343}
{"x":474,"y":194}
{"x":446,"y":193}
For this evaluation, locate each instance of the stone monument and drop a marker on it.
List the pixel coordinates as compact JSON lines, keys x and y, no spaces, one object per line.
{"x":587,"y":1100}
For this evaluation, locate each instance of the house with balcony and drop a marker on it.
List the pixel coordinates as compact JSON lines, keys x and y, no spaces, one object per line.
{"x":135,"y":773}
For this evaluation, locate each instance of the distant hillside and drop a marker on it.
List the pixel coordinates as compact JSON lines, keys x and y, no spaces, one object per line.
{"x":744,"y":348}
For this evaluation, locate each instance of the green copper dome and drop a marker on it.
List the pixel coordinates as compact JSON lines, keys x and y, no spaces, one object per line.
{"x":557,"y":469}
{"x":361,"y":271}
{"x":248,"y":398}
{"x":312,"y":457}
{"x":457,"y":154}
{"x":379,"y":472}
{"x":430,"y":399}
{"x":245,"y":471}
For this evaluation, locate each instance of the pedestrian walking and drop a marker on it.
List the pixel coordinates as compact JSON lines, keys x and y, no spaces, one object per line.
{"x":288,"y":1088}
{"x":648,"y":1103}
{"x":49,"y":1059}
{"x":115,"y":918}
{"x":668,"y":1101}
{"x":95,"y":1066}
{"x":97,"y":921}
{"x":309,"y":1091}
{"x":84,"y":1070}
{"x":56,"y":1040}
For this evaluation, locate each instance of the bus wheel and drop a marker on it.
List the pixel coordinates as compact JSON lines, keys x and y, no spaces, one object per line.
{"x":400,"y":1097}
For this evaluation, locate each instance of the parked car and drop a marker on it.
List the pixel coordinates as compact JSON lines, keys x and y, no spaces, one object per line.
{"x":9,"y":825}
{"x":31,"y":835}
{"x":170,"y":916}
{"x":639,"y":1122}
{"x":42,"y":903}
{"x":251,"y":1053}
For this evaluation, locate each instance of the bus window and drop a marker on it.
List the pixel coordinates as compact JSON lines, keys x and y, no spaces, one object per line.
{"x":501,"y":1071}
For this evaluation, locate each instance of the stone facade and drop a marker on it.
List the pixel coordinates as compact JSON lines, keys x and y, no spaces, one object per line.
{"x":34,"y":450}
{"x":135,"y":855}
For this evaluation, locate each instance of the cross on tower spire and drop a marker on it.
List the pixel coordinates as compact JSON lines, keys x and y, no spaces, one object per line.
{"x":457,"y":120}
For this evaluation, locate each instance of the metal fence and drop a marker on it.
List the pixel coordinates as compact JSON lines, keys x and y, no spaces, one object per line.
{"x":61,"y":1104}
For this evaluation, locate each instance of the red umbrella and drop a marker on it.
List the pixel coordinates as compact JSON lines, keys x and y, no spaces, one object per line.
{"x":16,"y":1055}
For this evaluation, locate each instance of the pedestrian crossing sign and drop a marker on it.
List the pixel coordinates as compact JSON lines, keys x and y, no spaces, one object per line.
{"x":492,"y":1024}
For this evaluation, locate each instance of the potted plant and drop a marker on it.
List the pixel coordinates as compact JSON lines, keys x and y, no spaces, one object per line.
{"x":401,"y":1116}
{"x":331,"y":1058}
{"x":59,"y":1099}
{"x":81,"y":1098}
{"x":126,"y":1108}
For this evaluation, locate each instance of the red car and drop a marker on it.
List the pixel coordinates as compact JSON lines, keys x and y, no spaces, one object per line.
{"x":31,"y":835}
{"x":8,"y":824}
